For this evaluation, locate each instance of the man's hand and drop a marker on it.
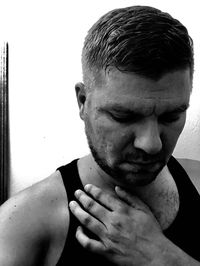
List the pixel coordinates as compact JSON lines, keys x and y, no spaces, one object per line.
{"x":128,"y":232}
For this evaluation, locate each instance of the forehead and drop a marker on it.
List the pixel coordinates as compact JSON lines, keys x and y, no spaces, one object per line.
{"x":136,"y":92}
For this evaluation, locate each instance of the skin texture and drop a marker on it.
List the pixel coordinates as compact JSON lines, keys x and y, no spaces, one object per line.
{"x":132,"y":125}
{"x":34,"y":223}
{"x":128,"y":232}
{"x":119,"y":227}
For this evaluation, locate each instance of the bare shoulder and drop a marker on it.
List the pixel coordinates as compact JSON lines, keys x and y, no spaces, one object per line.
{"x":192,"y":167}
{"x":33,"y":221}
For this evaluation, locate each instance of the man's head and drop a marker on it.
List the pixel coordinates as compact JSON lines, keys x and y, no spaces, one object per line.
{"x":138,"y":39}
{"x":137,"y":72}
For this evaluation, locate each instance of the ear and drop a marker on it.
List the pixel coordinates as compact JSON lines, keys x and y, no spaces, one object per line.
{"x":81,"y":97}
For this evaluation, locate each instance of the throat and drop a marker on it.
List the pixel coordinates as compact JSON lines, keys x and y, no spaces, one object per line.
{"x":91,"y":173}
{"x":162,"y":197}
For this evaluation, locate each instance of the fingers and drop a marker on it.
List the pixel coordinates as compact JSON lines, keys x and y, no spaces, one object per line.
{"x":132,"y":200}
{"x":91,"y":206}
{"x":88,"y":243}
{"x":86,"y":219}
{"x":107,"y":199}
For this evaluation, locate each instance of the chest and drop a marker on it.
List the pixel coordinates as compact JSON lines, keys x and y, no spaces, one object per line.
{"x":163,"y":199}
{"x":165,"y":208}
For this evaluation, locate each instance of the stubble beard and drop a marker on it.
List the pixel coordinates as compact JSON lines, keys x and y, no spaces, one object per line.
{"x":101,"y":162}
{"x":116,"y":173}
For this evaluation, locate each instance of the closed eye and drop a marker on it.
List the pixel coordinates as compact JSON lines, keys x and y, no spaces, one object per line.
{"x":170,"y":117}
{"x":125,"y":118}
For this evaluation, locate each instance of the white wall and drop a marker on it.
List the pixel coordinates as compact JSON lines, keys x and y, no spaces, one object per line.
{"x":45,"y":40}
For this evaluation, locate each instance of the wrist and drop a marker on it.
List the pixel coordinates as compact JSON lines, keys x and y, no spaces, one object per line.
{"x":168,"y":254}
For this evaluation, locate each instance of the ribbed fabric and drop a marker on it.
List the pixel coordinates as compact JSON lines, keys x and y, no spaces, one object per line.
{"x":184,"y":231}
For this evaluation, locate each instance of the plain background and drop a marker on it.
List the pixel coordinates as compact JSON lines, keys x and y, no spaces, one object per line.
{"x":45,"y":41}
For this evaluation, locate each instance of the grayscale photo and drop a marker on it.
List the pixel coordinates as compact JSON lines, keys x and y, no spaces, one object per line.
{"x":100,"y":133}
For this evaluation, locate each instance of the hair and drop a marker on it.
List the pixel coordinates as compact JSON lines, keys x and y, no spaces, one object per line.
{"x":138,"y":39}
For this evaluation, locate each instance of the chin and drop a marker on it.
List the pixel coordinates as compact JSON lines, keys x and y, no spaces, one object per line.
{"x":141,"y":179}
{"x":137,"y":178}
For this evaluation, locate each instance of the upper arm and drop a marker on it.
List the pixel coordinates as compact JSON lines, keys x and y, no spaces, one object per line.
{"x":192,"y":167}
{"x":30,"y":224}
{"x":19,"y":241}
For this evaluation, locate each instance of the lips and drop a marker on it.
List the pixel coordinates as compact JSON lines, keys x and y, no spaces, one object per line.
{"x":139,"y":166}
{"x":142,"y":162}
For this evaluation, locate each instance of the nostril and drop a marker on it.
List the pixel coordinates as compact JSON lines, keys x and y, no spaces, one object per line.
{"x":148,"y":144}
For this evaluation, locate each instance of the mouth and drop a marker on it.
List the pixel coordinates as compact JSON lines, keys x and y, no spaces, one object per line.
{"x":142,"y":163}
{"x":141,"y":166}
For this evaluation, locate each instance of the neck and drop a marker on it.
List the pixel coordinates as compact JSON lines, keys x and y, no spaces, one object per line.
{"x":90,"y":172}
{"x":161,"y":195}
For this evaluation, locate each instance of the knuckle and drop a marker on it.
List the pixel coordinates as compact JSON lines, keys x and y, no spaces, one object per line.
{"x":87,"y":220}
{"x":117,"y":225}
{"x":124,"y":209}
{"x":89,"y":204}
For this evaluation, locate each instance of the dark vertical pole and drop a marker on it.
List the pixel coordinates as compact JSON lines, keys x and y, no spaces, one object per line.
{"x":4,"y":123}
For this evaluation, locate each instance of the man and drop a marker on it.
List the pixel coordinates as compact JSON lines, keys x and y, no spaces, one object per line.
{"x":134,"y":203}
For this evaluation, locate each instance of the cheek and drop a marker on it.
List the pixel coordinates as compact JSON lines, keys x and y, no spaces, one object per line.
{"x":111,"y":137}
{"x":179,"y":128}
{"x":171,"y":135}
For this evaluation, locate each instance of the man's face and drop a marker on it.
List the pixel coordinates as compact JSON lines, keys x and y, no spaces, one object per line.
{"x":133,"y":123}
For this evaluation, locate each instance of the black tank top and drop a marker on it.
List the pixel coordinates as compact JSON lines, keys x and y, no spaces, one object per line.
{"x":183,"y":232}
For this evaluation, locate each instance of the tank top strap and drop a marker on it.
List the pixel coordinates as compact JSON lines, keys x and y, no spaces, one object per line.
{"x":183,"y":182}
{"x":185,"y":230}
{"x":73,"y":252}
{"x":71,"y":179}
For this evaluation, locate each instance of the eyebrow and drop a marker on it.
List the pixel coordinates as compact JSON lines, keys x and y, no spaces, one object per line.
{"x":180,"y":109}
{"x":137,"y":111}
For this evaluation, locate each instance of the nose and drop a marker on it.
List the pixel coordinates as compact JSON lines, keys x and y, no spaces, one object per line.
{"x":147,"y":137}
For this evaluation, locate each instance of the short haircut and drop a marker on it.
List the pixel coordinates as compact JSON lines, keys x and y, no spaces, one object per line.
{"x":138,"y":39}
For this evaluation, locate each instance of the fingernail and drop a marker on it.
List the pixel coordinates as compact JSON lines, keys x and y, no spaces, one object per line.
{"x":77,"y":192}
{"x":117,"y":188}
{"x":87,"y":187}
{"x":72,"y":203}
